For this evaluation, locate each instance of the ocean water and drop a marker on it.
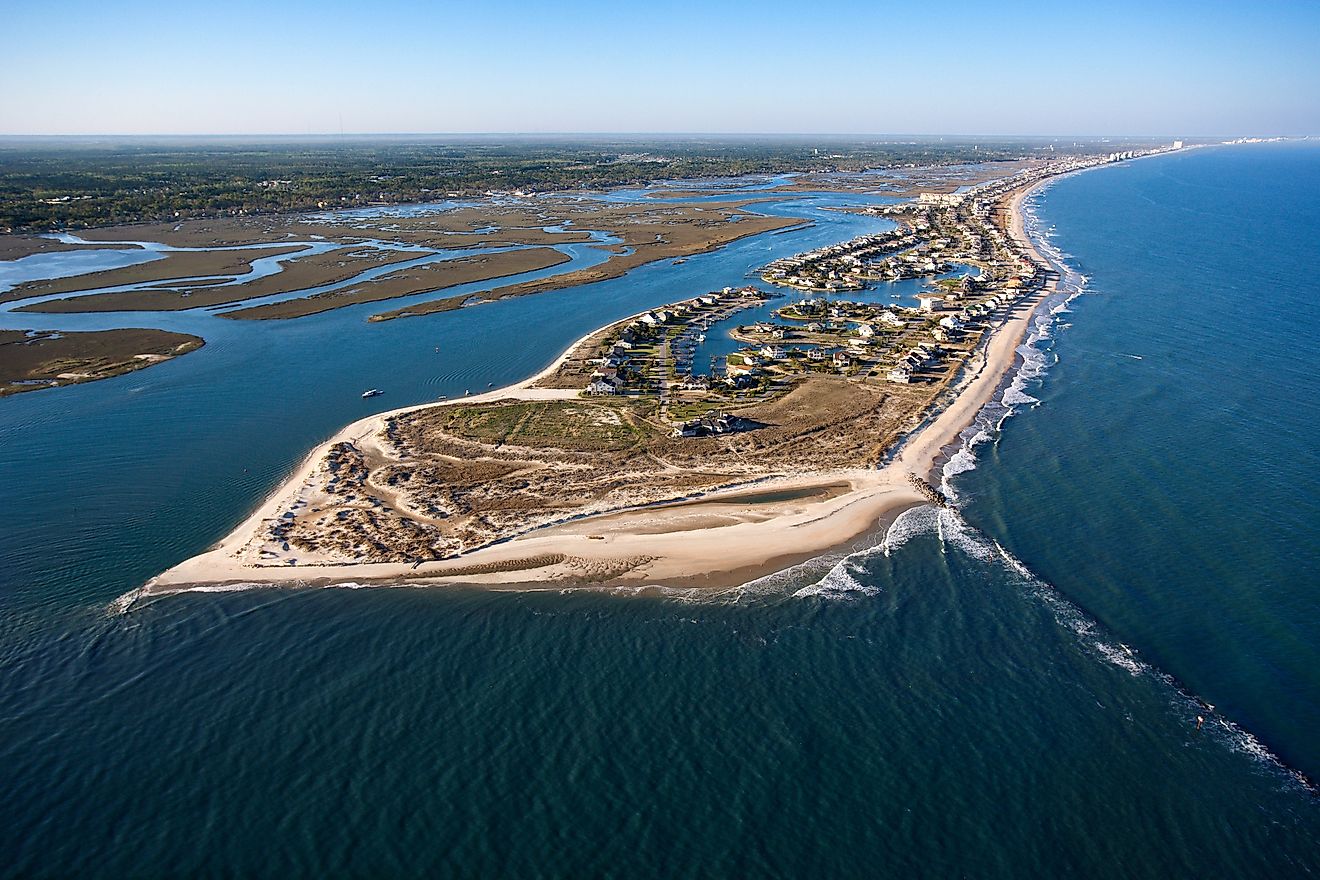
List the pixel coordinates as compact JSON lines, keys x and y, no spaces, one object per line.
{"x":1010,"y":691}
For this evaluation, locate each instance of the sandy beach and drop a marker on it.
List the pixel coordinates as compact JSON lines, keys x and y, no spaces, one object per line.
{"x":719,"y":539}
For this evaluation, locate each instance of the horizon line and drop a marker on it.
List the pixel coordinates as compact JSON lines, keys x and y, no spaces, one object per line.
{"x":636,"y":134}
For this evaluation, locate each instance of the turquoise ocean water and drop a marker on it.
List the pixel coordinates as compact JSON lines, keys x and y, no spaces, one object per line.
{"x":1010,"y":692}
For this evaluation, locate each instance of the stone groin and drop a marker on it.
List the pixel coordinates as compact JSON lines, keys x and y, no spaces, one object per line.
{"x":931,"y":494}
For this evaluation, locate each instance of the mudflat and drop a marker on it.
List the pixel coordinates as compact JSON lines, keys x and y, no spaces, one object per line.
{"x":14,"y":247}
{"x":642,"y":242}
{"x":299,"y":274}
{"x":407,"y":282}
{"x":172,"y":265}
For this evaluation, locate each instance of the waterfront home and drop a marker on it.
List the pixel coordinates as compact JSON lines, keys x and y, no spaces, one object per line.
{"x":816,"y":354}
{"x":866,"y":331}
{"x":601,"y":385}
{"x":711,"y":423}
{"x":901,"y":375}
{"x":694,"y":383}
{"x":774,"y":352}
{"x":929,"y":303}
{"x":893,"y":320}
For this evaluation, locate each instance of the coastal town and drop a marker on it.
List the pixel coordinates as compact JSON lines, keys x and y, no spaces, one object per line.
{"x":820,"y":375}
{"x":822,"y":334}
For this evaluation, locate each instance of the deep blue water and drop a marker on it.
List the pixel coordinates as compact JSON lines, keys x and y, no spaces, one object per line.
{"x":934,"y":706}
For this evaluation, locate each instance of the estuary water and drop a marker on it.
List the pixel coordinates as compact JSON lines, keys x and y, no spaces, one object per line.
{"x":1008,"y":692}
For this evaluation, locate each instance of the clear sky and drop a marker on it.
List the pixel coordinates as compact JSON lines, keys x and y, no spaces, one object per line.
{"x":1188,"y":67}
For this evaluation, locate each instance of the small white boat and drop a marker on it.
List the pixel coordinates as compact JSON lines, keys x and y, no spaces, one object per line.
{"x":372,"y":392}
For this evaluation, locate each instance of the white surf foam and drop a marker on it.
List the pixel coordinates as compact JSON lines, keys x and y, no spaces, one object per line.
{"x":838,"y":583}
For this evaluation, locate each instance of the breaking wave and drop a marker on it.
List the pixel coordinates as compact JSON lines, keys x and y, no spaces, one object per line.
{"x":955,"y":532}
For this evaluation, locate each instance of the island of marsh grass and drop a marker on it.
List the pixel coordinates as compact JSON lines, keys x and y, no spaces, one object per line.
{"x":31,"y":360}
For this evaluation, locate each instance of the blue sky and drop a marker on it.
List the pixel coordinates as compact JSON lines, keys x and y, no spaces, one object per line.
{"x":1157,"y":68}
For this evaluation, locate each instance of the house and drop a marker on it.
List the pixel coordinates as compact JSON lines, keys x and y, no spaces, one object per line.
{"x":650,"y":319}
{"x":711,"y":423}
{"x":814,"y":327}
{"x":866,"y":331}
{"x":900,"y":374}
{"x":601,"y":385}
{"x":816,"y":354}
{"x":929,"y":302}
{"x":893,"y":320}
{"x":841,"y":360}
{"x":740,"y":365}
{"x":774,"y":352}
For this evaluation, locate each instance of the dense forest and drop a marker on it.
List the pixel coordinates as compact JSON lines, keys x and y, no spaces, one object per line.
{"x":69,"y":183}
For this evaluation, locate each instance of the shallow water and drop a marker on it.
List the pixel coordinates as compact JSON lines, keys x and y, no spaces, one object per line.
{"x":1003,"y":695}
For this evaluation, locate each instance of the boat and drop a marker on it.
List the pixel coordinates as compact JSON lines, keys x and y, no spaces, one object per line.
{"x":372,"y":392}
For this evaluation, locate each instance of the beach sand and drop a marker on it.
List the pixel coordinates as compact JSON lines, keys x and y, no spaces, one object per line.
{"x":719,"y":540}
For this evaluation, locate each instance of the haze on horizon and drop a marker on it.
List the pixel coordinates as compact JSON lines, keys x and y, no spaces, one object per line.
{"x":1126,"y":68}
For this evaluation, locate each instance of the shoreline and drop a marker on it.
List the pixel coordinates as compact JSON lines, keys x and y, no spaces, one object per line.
{"x":672,"y":543}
